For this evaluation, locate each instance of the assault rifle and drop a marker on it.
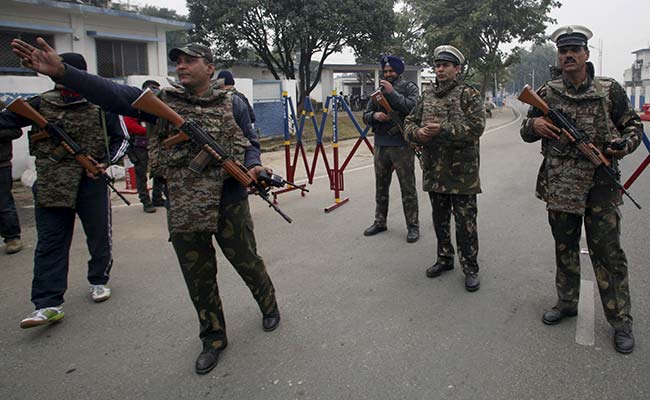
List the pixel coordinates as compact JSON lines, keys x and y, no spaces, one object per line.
{"x":379,"y":99}
{"x":190,"y":130}
{"x":569,"y":132}
{"x":66,"y":145}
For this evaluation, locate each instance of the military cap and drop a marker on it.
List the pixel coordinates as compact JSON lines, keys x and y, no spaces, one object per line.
{"x":192,"y":50}
{"x":395,"y":62}
{"x":75,"y":59}
{"x":448,"y":53}
{"x":571,"y":35}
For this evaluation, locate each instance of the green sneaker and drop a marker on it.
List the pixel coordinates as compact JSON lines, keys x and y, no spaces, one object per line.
{"x":42,"y":316}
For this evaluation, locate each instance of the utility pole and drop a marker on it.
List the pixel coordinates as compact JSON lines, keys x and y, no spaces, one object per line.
{"x":534,"y":79}
{"x":600,"y":56}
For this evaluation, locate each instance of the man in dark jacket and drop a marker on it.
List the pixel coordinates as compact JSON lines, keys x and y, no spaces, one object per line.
{"x":138,"y":153}
{"x":229,"y":84}
{"x":9,"y":223}
{"x":391,"y":150}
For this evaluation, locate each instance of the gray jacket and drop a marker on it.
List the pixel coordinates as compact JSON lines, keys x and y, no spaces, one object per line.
{"x":402,"y":99}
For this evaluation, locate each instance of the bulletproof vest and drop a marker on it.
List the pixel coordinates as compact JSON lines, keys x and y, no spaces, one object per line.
{"x":58,"y":182}
{"x":590,"y":111}
{"x":449,"y":166}
{"x":215,"y":115}
{"x":568,"y":181}
{"x":195,"y":199}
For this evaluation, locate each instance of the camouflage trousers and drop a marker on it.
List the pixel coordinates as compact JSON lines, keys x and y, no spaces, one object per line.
{"x":400,"y":159}
{"x":196,"y":256}
{"x":465,"y":211}
{"x":610,"y":265}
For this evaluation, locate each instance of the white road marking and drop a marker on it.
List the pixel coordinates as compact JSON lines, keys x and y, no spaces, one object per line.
{"x":585,"y":324}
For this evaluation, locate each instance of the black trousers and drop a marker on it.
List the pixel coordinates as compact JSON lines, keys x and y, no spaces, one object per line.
{"x":9,"y":223}
{"x":55,"y":226}
{"x":141,"y":174}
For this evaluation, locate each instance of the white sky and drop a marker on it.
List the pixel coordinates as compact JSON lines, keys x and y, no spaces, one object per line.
{"x":622,"y":25}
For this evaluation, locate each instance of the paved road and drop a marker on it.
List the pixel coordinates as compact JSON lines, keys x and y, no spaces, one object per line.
{"x":360,"y":319}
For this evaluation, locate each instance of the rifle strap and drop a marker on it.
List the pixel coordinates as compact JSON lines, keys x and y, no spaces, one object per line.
{"x":102,"y":116}
{"x":603,"y":103}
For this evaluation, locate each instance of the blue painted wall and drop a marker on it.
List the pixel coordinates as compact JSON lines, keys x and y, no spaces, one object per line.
{"x":268,"y":118}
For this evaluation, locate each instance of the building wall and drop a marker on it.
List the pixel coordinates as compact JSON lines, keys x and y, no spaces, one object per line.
{"x":12,"y":87}
{"x":31,"y":16}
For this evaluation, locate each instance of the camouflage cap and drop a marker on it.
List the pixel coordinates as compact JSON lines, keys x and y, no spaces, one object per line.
{"x":192,"y":50}
{"x":571,"y":35}
{"x":448,"y":53}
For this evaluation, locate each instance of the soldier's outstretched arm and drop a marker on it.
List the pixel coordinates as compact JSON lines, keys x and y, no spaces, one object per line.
{"x":109,"y":95}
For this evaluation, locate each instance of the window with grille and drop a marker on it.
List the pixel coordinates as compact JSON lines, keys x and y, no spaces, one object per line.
{"x":120,"y":58}
{"x":9,"y":63}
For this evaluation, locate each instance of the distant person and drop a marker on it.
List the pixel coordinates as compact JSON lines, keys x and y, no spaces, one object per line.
{"x":9,"y":223}
{"x":138,"y":143}
{"x":229,"y":84}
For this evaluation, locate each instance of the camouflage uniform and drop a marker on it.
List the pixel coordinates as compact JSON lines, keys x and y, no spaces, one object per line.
{"x":574,"y":191}
{"x":393,"y":153}
{"x":196,"y":214}
{"x":450,"y":165}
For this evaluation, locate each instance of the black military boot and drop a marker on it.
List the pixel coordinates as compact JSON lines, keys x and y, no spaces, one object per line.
{"x":271,"y":321}
{"x":148,"y":208}
{"x":207,"y":360}
{"x":158,"y":202}
{"x":374,"y":229}
{"x":413,"y":234}
{"x":472,"y":283}
{"x":557,"y":314}
{"x":624,"y":339}
{"x":438,"y":268}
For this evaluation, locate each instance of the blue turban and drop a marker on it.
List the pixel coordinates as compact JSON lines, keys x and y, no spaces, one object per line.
{"x":395,"y":62}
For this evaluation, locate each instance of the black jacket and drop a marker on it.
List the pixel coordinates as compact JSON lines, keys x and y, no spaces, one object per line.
{"x":6,"y":136}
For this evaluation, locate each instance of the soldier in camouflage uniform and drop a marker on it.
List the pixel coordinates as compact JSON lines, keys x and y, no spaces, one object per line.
{"x":448,"y":122}
{"x":572,"y":188}
{"x":63,"y":189}
{"x":391,"y":150}
{"x":203,"y":206}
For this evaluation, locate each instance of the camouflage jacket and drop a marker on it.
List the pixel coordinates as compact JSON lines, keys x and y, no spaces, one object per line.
{"x":568,"y":181}
{"x":58,"y":182}
{"x":402,"y":99}
{"x":450,"y":161}
{"x":194,"y":200}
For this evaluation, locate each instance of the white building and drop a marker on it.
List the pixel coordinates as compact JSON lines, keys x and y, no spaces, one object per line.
{"x":126,"y":46}
{"x":637,"y":79}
